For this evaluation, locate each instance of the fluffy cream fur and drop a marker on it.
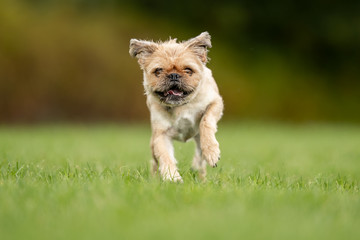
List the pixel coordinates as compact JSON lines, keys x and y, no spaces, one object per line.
{"x":194,"y":110}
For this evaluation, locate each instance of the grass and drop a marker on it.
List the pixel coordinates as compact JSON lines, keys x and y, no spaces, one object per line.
{"x":91,"y":182}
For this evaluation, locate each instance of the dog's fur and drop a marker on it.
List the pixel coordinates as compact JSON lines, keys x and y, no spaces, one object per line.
{"x":183,"y":100}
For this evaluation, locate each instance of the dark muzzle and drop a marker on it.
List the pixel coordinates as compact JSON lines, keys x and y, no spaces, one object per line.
{"x":174,"y":77}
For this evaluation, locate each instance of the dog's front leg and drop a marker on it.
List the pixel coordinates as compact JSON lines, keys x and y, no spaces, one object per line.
{"x":163,"y":152}
{"x":208,"y":127}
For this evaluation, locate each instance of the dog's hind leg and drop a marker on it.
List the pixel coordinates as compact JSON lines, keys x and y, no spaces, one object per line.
{"x":154,"y":166}
{"x":199,"y":164}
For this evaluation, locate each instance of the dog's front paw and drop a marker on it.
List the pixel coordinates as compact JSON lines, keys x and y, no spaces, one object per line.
{"x":171,"y":174}
{"x":211,"y":152}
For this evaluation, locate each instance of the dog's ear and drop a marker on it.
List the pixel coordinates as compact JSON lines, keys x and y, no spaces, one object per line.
{"x":199,"y":45}
{"x":141,"y":49}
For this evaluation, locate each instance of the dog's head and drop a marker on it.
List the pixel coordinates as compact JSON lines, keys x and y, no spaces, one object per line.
{"x":172,"y":71}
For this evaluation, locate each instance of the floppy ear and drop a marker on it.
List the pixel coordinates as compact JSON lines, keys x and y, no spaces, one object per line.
{"x":199,"y":45}
{"x":141,"y":49}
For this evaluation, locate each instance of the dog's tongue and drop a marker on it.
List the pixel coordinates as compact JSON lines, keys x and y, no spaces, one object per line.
{"x":175,"y":92}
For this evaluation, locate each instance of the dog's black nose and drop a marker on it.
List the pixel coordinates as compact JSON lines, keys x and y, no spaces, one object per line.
{"x":174,"y":76}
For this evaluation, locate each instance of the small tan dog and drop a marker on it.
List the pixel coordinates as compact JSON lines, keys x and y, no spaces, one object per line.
{"x":183,"y":100}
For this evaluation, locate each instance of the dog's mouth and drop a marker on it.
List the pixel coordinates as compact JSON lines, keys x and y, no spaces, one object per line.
{"x":173,"y":93}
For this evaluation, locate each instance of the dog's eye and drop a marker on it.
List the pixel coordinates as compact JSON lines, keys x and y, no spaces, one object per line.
{"x":157,"y":71}
{"x":188,"y":71}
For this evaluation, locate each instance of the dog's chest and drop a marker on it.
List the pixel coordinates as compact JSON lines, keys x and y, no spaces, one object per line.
{"x":185,"y":125}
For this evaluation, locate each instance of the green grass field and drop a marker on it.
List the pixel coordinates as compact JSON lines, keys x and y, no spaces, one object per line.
{"x":92,"y":182}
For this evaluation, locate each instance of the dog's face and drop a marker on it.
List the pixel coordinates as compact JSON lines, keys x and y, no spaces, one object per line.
{"x":172,"y":71}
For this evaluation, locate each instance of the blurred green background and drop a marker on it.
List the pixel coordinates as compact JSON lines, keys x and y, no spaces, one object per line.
{"x":273,"y":60}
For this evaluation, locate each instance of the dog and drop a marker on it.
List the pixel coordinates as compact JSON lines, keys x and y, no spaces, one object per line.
{"x":183,"y":100}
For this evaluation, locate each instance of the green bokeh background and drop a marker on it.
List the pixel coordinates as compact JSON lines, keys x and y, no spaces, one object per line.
{"x":273,"y":60}
{"x":274,"y":181}
{"x":66,"y":62}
